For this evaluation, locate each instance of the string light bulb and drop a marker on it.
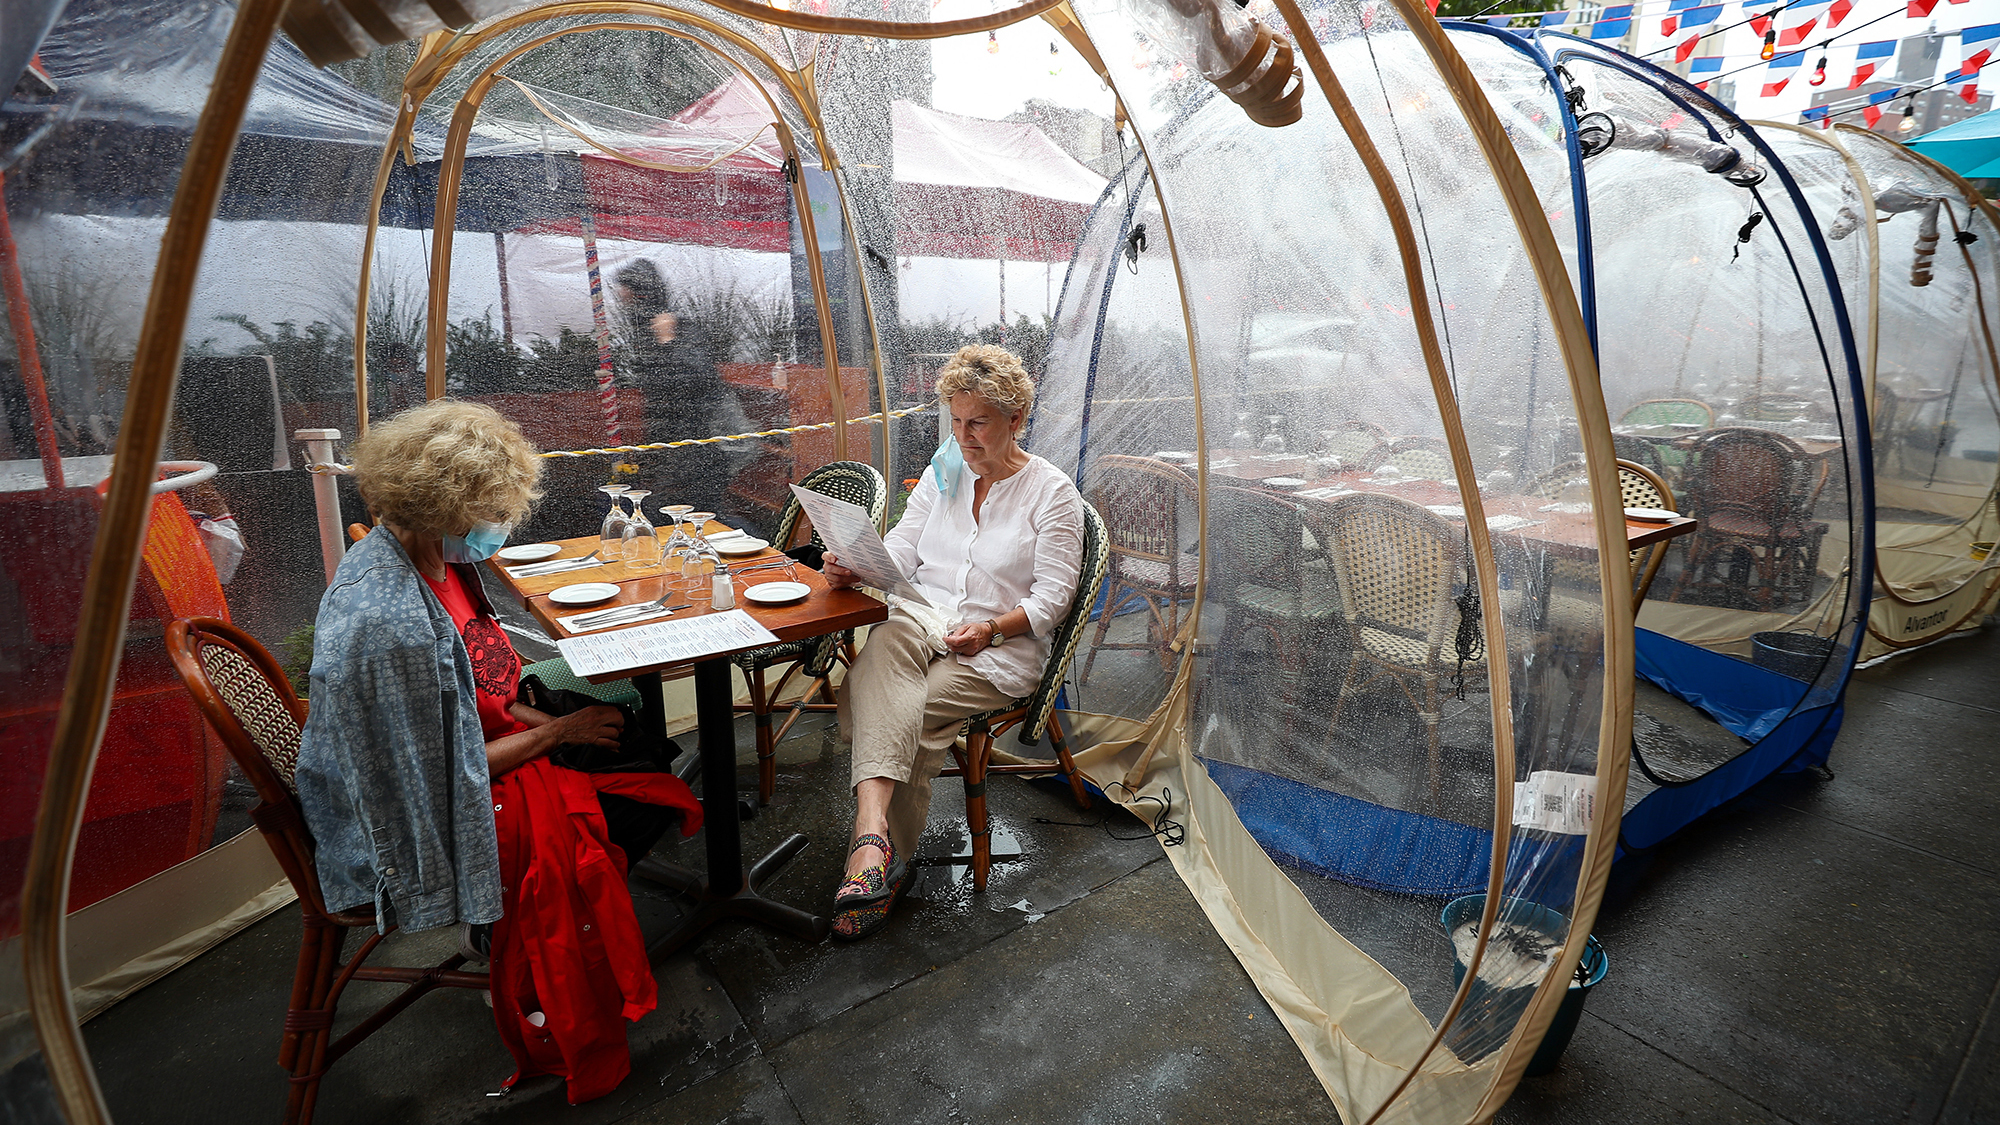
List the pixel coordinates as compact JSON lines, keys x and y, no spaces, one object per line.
{"x":1908,"y":123}
{"x":1819,"y":73}
{"x":1769,"y":52}
{"x":992,"y":43}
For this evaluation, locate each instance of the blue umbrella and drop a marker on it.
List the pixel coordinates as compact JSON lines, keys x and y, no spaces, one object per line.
{"x":1971,"y":147}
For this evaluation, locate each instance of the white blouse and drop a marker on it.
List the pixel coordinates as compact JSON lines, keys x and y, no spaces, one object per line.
{"x":1026,"y":550}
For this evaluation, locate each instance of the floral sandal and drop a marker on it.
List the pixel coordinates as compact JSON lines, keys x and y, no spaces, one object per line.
{"x":861,"y":905}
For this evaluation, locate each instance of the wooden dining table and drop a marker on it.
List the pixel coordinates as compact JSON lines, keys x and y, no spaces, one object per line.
{"x":1570,"y":534}
{"x":729,"y":889}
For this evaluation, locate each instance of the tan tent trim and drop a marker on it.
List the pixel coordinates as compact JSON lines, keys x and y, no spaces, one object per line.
{"x":1587,"y":393}
{"x":114,"y":565}
{"x":115,"y":944}
{"x":1499,"y":695}
{"x":452,"y":169}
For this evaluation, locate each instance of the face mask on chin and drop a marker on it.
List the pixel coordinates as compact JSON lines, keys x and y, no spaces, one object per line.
{"x":478,"y":544}
{"x":948,"y":464}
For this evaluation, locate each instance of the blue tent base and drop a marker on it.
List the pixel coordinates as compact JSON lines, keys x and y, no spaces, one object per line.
{"x":1752,"y":702}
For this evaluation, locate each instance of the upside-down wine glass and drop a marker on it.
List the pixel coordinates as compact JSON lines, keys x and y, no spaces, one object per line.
{"x":641,"y":548}
{"x":611,"y":535}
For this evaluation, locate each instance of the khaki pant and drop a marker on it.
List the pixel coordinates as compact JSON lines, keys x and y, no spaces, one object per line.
{"x":902,"y":706}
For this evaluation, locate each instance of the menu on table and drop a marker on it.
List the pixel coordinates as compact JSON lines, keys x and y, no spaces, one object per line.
{"x":666,"y":642}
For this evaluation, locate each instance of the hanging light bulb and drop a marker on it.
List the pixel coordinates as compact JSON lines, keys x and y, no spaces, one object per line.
{"x":1819,"y":73}
{"x":992,"y":43}
{"x":1769,"y":52}
{"x":1908,"y":123}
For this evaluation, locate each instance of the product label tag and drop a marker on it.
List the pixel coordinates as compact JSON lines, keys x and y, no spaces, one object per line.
{"x":1556,"y":802}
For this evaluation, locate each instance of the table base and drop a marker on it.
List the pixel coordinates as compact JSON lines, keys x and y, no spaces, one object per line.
{"x":747,"y":902}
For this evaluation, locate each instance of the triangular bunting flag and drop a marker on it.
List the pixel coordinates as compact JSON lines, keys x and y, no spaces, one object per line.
{"x":1762,"y":24}
{"x":1613,"y":22}
{"x":1871,"y":115}
{"x":1918,"y":9}
{"x":1793,"y":36}
{"x":1687,"y":47}
{"x":1554,"y":19}
{"x":1673,"y":21}
{"x":1868,"y":58}
{"x":1788,"y":64}
{"x":1838,"y":12}
{"x":1970,"y":92}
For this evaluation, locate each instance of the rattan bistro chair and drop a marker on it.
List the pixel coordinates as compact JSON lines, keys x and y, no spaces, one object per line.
{"x":862,"y":486}
{"x":245,"y":697}
{"x":1035,"y":713}
{"x":1640,"y":487}
{"x":1397,"y":567}
{"x":1144,"y":496}
{"x":1754,"y":493}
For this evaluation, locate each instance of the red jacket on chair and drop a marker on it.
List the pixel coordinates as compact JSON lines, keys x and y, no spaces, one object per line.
{"x":569,"y":950}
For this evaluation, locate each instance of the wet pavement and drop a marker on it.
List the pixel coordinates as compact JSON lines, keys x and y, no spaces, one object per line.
{"x":1817,"y":951}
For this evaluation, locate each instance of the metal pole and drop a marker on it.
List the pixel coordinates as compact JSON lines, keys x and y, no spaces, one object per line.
{"x":326,"y":496}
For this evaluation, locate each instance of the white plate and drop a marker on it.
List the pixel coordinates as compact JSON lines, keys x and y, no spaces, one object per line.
{"x":1282,"y":482}
{"x":1650,"y":515}
{"x":529,"y":552}
{"x":584,"y":593}
{"x":777,"y":593}
{"x":738,"y":545}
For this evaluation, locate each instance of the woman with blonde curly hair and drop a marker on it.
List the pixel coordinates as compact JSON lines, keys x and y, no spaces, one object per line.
{"x":428,"y":784}
{"x":993,"y":537}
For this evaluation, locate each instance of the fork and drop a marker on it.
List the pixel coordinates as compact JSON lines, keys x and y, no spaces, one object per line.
{"x":556,"y":566}
{"x":605,"y":616}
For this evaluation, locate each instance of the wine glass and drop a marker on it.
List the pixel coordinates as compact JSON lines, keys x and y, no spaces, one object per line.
{"x":611,"y":535}
{"x":641,"y":547}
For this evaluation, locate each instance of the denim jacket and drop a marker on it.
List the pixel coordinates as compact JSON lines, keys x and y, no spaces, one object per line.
{"x":392,"y":762}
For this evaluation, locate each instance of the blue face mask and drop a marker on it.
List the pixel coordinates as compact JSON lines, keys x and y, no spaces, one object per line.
{"x":478,"y":544}
{"x":948,"y":464}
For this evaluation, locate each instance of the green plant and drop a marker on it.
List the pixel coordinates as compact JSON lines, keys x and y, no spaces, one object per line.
{"x":479,"y":358}
{"x":297,"y":662}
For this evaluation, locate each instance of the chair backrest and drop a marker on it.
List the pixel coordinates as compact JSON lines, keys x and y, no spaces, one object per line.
{"x":1667,"y":411}
{"x":1419,"y":458}
{"x":853,"y":481}
{"x":1550,"y":484}
{"x":1062,"y":643}
{"x":1397,"y":565}
{"x":1256,"y":536}
{"x":1750,"y":470}
{"x":243,"y":693}
{"x":1143,"y":495}
{"x":1641,"y":487}
{"x":1351,"y":441}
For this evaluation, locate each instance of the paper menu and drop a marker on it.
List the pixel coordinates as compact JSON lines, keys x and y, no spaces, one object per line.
{"x":848,"y":529}
{"x":667,"y":642}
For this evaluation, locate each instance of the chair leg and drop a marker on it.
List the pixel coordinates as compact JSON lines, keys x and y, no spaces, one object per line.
{"x":978,"y":749}
{"x":1061,"y":743}
{"x":313,"y":1024}
{"x":1435,"y":735}
{"x":767,"y":745}
{"x":823,"y":684}
{"x":1097,"y":638}
{"x":1346,"y":688}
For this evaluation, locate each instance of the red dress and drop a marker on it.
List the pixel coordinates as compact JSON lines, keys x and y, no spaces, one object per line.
{"x":568,"y":962}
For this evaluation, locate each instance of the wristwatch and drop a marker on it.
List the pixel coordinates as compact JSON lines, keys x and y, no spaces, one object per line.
{"x":997,"y":637}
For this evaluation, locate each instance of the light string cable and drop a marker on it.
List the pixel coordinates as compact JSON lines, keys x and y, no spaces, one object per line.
{"x":1170,"y":832}
{"x":1870,"y":99}
{"x":1802,"y":48}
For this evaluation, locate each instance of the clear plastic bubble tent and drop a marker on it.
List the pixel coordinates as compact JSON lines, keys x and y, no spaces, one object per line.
{"x":1348,"y":349}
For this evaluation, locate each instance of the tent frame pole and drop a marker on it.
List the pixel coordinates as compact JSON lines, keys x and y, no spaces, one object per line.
{"x":114,"y":567}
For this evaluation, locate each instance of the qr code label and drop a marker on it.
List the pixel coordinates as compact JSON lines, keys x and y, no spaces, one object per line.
{"x":1549,"y":801}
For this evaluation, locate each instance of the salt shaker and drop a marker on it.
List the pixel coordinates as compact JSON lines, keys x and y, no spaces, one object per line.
{"x":725,"y":587}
